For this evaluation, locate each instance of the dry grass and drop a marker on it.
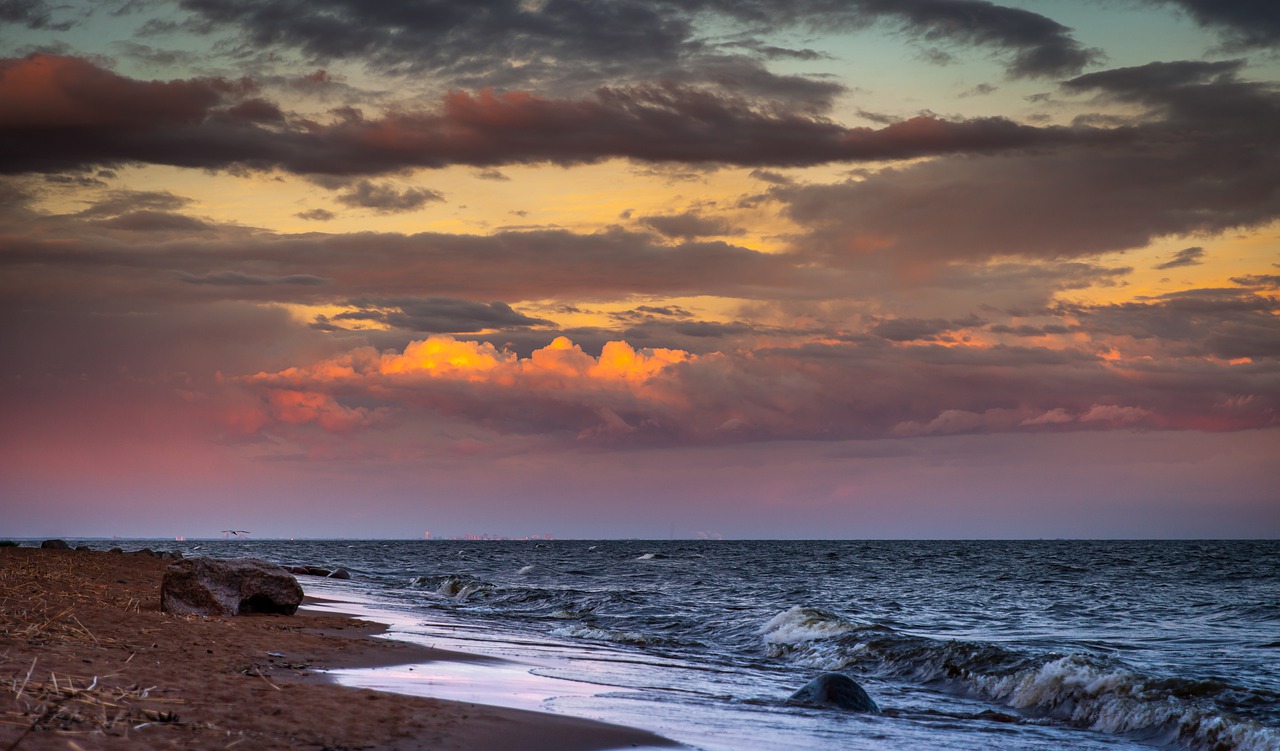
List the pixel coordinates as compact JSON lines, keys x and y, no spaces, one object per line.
{"x":38,"y":603}
{"x":83,"y":705}
{"x":41,"y":607}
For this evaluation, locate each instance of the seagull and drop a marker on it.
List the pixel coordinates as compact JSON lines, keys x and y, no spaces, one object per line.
{"x":234,"y":533}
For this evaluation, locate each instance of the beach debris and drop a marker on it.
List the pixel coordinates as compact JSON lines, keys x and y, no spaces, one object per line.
{"x":214,"y":586}
{"x":834,"y":691}
{"x":55,"y":545}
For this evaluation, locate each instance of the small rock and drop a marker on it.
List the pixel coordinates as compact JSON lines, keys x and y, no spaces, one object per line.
{"x":834,"y":691}
{"x":116,"y":550}
{"x":340,"y":573}
{"x":55,"y":545}
{"x":83,"y":547}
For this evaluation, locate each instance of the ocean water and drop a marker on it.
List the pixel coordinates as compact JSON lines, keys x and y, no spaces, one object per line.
{"x":964,"y":645}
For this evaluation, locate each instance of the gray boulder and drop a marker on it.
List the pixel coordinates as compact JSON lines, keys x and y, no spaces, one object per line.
{"x":55,"y":545}
{"x":217,"y":586}
{"x":340,"y":573}
{"x":834,"y":691}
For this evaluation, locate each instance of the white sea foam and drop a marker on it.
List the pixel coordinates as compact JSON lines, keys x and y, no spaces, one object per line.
{"x":527,"y":569}
{"x":799,"y":625}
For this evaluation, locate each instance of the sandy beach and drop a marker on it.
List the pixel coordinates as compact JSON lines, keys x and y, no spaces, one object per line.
{"x":88,"y":661}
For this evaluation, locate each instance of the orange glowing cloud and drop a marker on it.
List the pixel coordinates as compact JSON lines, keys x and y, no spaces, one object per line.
{"x":621,"y":374}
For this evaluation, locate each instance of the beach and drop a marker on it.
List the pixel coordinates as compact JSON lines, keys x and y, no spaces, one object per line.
{"x":88,"y":661}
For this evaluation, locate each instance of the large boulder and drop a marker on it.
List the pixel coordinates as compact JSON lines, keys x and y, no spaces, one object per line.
{"x":55,"y":545}
{"x":218,"y":586}
{"x":834,"y":691}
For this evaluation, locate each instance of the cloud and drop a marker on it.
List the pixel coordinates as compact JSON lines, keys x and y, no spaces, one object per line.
{"x":387,"y":199}
{"x":513,"y":265}
{"x":1184,"y":257}
{"x":154,"y":221}
{"x":34,"y":14}
{"x":1199,"y":163}
{"x":689,"y":226}
{"x":1226,"y":324}
{"x":1243,"y":24}
{"x":561,"y":45}
{"x":119,"y":202}
{"x":822,"y":392}
{"x":439,"y":315}
{"x":1263,"y":281}
{"x":1035,"y":45}
{"x":63,"y":113}
{"x":235,"y":278}
{"x":316,"y":215}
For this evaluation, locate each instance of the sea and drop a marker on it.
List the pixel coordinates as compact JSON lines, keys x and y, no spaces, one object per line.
{"x":1012,"y":645}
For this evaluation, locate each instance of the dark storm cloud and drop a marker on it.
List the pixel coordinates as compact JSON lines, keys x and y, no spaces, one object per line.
{"x":439,"y":315}
{"x":689,"y":226}
{"x":509,"y":43}
{"x":1036,"y":45}
{"x":1201,"y":159}
{"x":1243,"y":23}
{"x":387,"y":199}
{"x":62,"y":113}
{"x":1184,"y":257}
{"x":34,"y":14}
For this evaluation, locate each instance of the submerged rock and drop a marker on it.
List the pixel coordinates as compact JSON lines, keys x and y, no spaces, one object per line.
{"x":834,"y":691}
{"x":340,"y":573}
{"x":215,"y":586}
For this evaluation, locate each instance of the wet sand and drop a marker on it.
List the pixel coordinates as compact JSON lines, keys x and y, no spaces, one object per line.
{"x":88,"y":661}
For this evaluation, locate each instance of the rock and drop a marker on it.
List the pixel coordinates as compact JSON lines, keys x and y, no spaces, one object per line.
{"x":216,"y":586}
{"x":55,"y":545}
{"x":83,"y":547}
{"x":340,"y":573}
{"x":116,"y":550}
{"x":145,"y":551}
{"x":834,"y":691}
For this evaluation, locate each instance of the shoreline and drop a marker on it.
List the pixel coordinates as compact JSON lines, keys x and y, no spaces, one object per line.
{"x":87,"y":660}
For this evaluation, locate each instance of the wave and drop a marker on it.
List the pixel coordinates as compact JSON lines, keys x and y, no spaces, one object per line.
{"x":614,"y":636}
{"x":453,"y":586}
{"x":1085,"y":691}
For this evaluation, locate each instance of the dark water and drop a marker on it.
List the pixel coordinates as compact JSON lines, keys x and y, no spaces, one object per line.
{"x":966,"y":645}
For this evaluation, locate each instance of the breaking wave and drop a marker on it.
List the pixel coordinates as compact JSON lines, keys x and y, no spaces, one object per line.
{"x":1081,"y":690}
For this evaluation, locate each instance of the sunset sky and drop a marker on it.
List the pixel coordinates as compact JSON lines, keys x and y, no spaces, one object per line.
{"x":760,"y":268}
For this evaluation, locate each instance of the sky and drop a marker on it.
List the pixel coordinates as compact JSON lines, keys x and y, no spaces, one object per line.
{"x":637,"y":268}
